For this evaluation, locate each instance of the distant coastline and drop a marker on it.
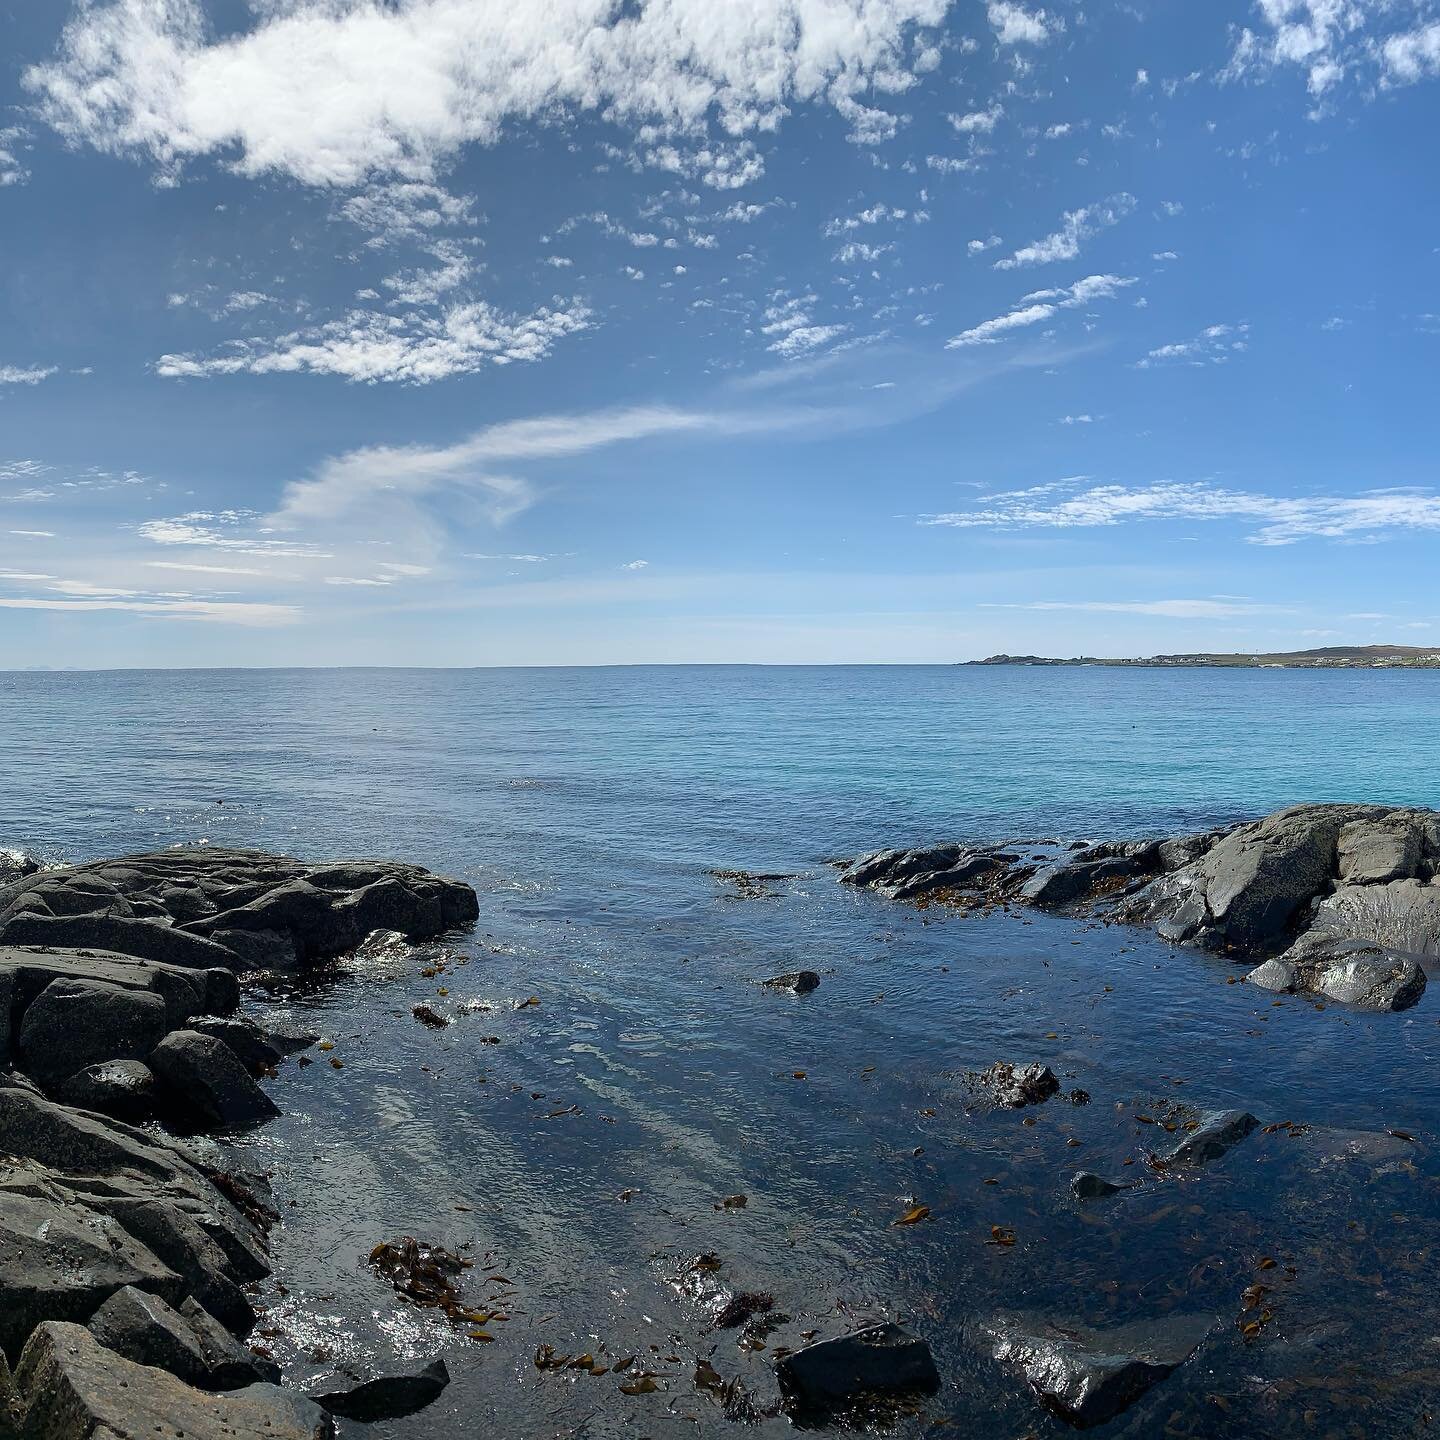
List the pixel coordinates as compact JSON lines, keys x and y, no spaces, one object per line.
{"x":1329,"y":657}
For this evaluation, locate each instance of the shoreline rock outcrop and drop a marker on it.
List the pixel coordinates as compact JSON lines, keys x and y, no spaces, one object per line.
{"x":1338,"y":901}
{"x":124,"y":1261}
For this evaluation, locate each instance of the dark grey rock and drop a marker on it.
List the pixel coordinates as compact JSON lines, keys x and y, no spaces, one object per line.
{"x":249,"y":1044}
{"x":879,"y":1359}
{"x":202,"y":1077}
{"x":59,"y":1262}
{"x":122,"y":1088}
{"x":1088,"y":1376}
{"x":125,"y":935}
{"x":188,"y":1342}
{"x":1402,"y":915}
{"x":76,"y":1023}
{"x":1015,"y":1086}
{"x":259,"y":949}
{"x":1218,"y":1132}
{"x":1086,"y":1185}
{"x":71,"y":1388}
{"x":387,"y":1397}
{"x":1070,"y":882}
{"x":798,"y":982}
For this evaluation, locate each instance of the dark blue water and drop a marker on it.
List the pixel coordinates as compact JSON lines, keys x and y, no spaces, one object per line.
{"x":588,"y":807}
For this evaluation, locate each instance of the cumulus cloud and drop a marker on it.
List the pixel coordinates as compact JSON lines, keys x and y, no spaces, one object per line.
{"x":416,"y":347}
{"x":978,"y":122}
{"x":1041,"y":306}
{"x":332,"y":92}
{"x":1076,"y":227}
{"x":1015,"y":25}
{"x":1275,"y":520}
{"x":1331,"y":41}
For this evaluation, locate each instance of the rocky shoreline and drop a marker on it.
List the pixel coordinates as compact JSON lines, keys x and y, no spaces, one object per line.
{"x":1337,"y":902}
{"x":127,"y":1261}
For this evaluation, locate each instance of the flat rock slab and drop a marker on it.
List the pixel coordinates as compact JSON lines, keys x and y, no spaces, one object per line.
{"x":1088,"y":1376}
{"x":204,"y":907}
{"x":71,"y":1388}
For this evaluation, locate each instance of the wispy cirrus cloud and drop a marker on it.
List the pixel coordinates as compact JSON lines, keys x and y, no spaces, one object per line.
{"x":1212,"y":346}
{"x":1168,"y":609}
{"x":1040,"y":306}
{"x":25,"y":374}
{"x":1271,"y":519}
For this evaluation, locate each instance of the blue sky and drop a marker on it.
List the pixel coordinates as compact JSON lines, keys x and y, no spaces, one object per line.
{"x":456,"y":332}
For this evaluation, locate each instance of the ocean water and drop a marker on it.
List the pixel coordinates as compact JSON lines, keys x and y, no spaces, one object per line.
{"x":579,"y":1146}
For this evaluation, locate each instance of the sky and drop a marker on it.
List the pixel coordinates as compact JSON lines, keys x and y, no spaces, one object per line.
{"x":459,"y":332}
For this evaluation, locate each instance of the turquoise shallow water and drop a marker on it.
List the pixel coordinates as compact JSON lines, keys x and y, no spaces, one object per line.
{"x":588,"y":807}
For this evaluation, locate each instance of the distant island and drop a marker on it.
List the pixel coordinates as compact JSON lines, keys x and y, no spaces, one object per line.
{"x":1328,"y":657}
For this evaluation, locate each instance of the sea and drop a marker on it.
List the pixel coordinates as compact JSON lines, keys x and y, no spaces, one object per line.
{"x":614,"y":1072}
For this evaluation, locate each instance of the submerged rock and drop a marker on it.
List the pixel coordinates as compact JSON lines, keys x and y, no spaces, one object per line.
{"x":1088,"y":1376}
{"x":387,"y":1397}
{"x":879,"y":1359}
{"x":1217,"y":1133}
{"x":799,"y":982}
{"x":1086,"y":1185}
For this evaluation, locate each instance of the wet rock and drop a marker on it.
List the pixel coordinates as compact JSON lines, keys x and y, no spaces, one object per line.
{"x":1086,"y":1185}
{"x":1072,"y":881}
{"x":122,"y":1088}
{"x":1401,"y":915}
{"x":1015,"y":1086}
{"x":70,"y":1387}
{"x":16,"y":865}
{"x":1351,"y":972}
{"x":426,"y":1016}
{"x":879,"y":1359}
{"x":1217,"y":1132}
{"x":966,"y":874}
{"x":188,"y":1342}
{"x":387,"y":1397}
{"x":798,"y":982}
{"x":59,"y":1262}
{"x":1088,"y":1376}
{"x":202,"y":1077}
{"x":76,"y":1023}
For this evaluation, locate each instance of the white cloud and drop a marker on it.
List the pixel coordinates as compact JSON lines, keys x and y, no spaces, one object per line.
{"x":1077,"y":226}
{"x":1015,"y":25}
{"x":202,"y":569}
{"x":1077,"y":419}
{"x":417,"y":347}
{"x":1330,"y":41}
{"x":1212,"y":346}
{"x":233,"y":530}
{"x":25,"y":374}
{"x":1277,"y":520}
{"x":793,"y":330}
{"x":333,"y":93}
{"x":34,"y":534}
{"x":636,"y":565}
{"x":978,"y":121}
{"x":979,"y":247}
{"x":12,"y":171}
{"x":1170,"y":609}
{"x":350,"y":482}
{"x":222,"y":612}
{"x":1041,"y":306}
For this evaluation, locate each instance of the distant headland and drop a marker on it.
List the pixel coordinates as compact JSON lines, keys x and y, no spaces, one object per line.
{"x":1328,"y":657}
